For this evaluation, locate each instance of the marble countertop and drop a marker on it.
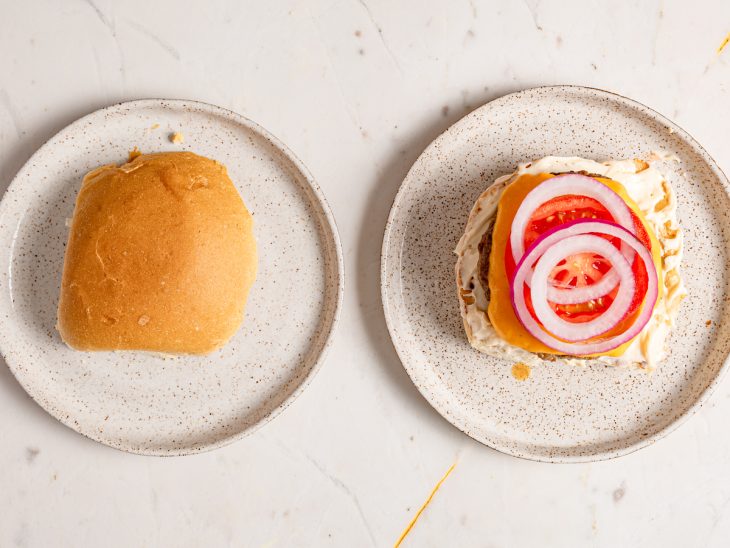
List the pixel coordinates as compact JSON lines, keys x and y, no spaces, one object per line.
{"x":357,"y":89}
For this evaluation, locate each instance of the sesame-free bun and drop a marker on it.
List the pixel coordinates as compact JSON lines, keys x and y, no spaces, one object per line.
{"x":160,"y":257}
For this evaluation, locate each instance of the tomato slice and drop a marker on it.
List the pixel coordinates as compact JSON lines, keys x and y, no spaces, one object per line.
{"x":560,"y":210}
{"x":583,"y":269}
{"x":579,"y":270}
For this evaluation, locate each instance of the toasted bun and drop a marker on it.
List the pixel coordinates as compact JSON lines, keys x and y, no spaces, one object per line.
{"x":160,"y":257}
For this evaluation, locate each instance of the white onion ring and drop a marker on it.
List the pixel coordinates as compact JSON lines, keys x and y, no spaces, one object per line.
{"x":553,"y":237}
{"x":577,"y":295}
{"x":582,"y":243}
{"x":564,"y":185}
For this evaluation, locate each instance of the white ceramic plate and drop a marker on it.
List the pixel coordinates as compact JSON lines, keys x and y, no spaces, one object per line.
{"x":146,"y":404}
{"x":561,"y":413}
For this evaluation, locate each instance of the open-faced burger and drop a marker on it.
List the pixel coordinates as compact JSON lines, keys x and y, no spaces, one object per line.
{"x":575,"y":260}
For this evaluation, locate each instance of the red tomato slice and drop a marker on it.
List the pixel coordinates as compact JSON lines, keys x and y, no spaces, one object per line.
{"x":579,"y":270}
{"x":560,"y":210}
{"x":584,"y":269}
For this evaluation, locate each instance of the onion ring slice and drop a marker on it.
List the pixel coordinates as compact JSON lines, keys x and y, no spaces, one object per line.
{"x":569,"y":331}
{"x":582,"y":185}
{"x":549,"y":239}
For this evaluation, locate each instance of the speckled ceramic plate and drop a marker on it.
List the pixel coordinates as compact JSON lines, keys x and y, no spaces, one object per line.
{"x":561,"y":413}
{"x":135,"y":401}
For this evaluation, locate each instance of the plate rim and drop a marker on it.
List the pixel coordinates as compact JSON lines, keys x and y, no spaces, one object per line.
{"x":390,"y":322}
{"x":329,"y":228}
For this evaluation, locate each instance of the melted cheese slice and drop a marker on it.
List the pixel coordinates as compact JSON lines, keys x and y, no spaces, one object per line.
{"x":500,"y":311}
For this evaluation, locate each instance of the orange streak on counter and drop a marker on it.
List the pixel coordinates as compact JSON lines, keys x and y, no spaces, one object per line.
{"x":407,"y":530}
{"x":724,"y":44}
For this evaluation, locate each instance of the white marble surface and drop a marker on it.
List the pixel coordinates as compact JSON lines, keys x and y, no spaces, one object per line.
{"x":356,"y":88}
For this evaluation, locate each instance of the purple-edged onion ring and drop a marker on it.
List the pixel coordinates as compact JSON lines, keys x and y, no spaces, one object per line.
{"x":581,"y":185}
{"x":557,"y":237}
